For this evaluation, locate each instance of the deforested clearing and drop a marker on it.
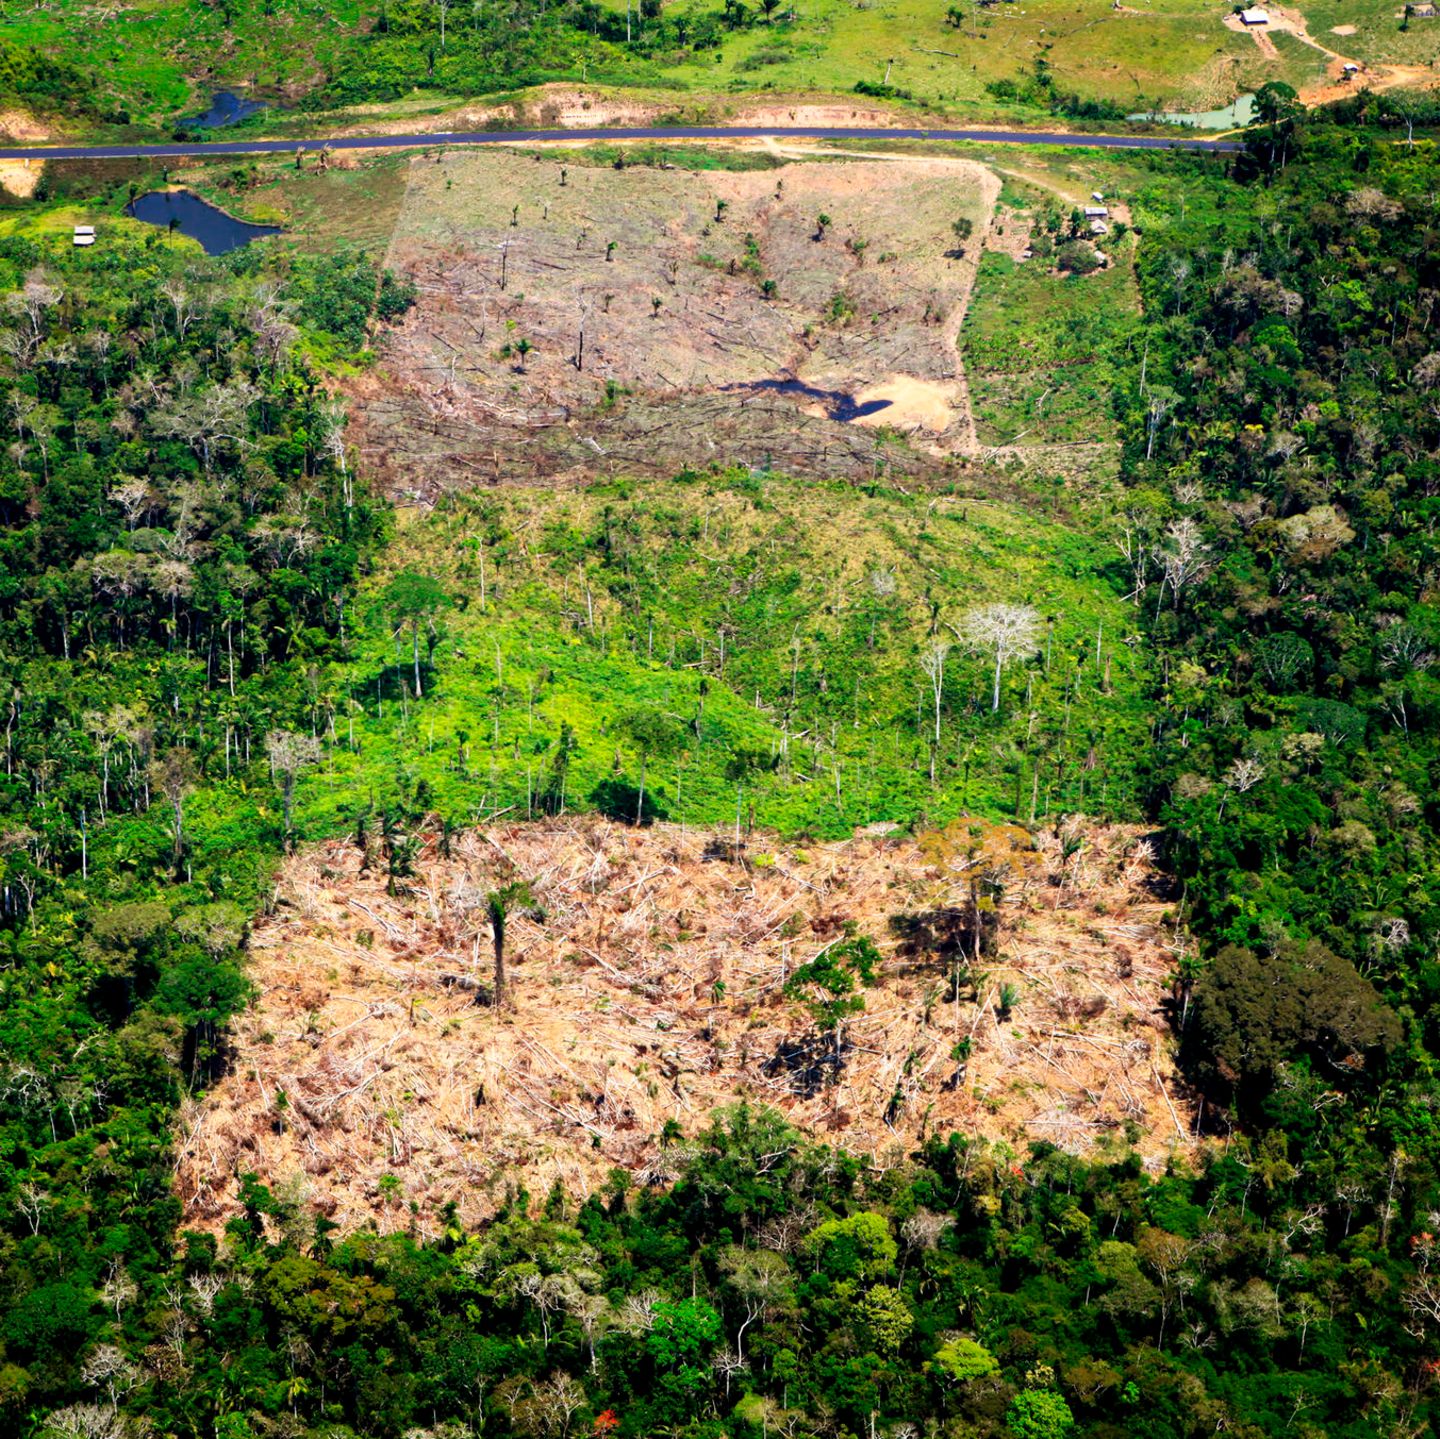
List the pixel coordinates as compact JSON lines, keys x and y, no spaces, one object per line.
{"x":577,"y":320}
{"x":372,"y":1078}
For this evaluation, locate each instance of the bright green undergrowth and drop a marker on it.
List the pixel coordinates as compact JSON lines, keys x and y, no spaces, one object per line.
{"x":777,"y":629}
{"x":1044,"y":349}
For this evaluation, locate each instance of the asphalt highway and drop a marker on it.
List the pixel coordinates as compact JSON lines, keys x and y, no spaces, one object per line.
{"x":185,"y":150}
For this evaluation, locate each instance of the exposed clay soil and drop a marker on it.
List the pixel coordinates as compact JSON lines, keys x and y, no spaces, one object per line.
{"x":574,"y":107}
{"x":1337,"y":86}
{"x":21,"y":177}
{"x":22,"y":128}
{"x":652,"y":990}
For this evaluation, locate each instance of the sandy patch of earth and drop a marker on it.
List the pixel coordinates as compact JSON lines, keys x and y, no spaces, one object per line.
{"x":578,"y":110}
{"x":1384,"y":77}
{"x":1343,"y":30}
{"x":21,"y":127}
{"x":562,"y":107}
{"x":20,"y":177}
{"x":910,"y":403}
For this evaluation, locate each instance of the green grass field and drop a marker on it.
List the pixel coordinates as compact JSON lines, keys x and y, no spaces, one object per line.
{"x":1043,"y":349}
{"x":356,"y":206}
{"x":1171,"y":54}
{"x":1378,"y":37}
{"x":159,"y":59}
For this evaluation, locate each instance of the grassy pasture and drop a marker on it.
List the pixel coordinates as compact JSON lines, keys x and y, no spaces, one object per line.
{"x":1172,"y":53}
{"x":1378,"y":37}
{"x":1042,"y":349}
{"x":160,"y":59}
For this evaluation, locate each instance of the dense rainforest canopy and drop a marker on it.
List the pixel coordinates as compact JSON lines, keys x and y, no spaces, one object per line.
{"x":183,"y":537}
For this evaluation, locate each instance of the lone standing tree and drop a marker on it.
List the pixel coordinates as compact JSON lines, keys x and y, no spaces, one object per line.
{"x":289,"y":754}
{"x":1007,"y":631}
{"x":174,"y":776}
{"x":517,"y":897}
{"x":652,"y":733}
{"x":932,"y":662}
{"x":414,"y":599}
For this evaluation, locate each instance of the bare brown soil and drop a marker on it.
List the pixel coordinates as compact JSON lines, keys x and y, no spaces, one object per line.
{"x":573,"y":107}
{"x":1336,"y":86}
{"x":1374,"y":78}
{"x":22,"y":127}
{"x":510,"y":251}
{"x":652,"y":990}
{"x":20,"y":177}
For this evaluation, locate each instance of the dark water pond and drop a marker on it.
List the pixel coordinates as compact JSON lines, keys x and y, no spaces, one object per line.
{"x":838,"y":405}
{"x":225,"y":109}
{"x":197,"y":218}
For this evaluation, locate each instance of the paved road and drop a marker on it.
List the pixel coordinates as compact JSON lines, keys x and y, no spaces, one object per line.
{"x":196,"y":149}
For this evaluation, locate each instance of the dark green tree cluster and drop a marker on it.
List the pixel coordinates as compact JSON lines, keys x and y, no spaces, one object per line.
{"x":781,"y":1286}
{"x":42,"y":82}
{"x":180,"y":532}
{"x":479,"y":49}
{"x":1280,"y":532}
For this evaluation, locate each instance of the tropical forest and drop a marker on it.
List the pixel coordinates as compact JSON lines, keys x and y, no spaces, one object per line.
{"x":719,"y":720}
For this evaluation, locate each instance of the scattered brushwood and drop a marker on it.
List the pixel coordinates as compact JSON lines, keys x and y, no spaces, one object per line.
{"x":643,"y":321}
{"x":654,"y":974}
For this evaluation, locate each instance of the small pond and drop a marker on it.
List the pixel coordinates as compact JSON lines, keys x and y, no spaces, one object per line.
{"x":837,"y":404}
{"x":1234,"y":116}
{"x":197,"y":218}
{"x":225,"y":109}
